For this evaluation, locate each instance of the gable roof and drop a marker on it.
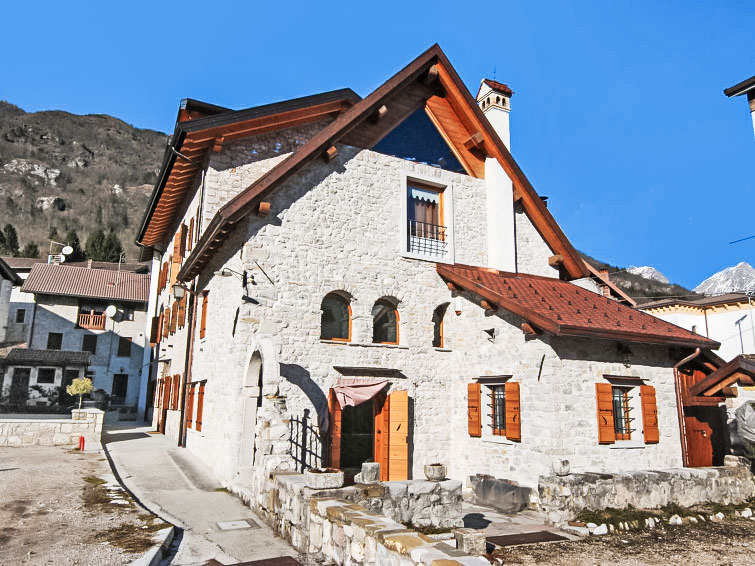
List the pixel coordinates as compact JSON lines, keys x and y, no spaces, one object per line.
{"x":6,"y":272}
{"x":200,"y":127}
{"x":741,"y":368}
{"x":614,"y":289}
{"x":63,"y":280}
{"x":702,"y":303}
{"x":428,"y":81}
{"x":741,"y":88}
{"x":564,"y":309}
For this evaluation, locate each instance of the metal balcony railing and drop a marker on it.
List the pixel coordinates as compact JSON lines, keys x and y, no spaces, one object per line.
{"x":426,"y":239}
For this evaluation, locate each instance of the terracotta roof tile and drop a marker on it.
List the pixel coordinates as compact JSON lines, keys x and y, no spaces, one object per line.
{"x":52,"y":357}
{"x":495,"y":85}
{"x":56,"y":279}
{"x":565,"y":309}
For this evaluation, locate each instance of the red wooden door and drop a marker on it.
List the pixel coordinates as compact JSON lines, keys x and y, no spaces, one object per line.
{"x":699,"y":443}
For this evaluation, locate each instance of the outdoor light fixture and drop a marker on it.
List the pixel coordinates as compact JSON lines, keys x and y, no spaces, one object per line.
{"x":179,"y":291}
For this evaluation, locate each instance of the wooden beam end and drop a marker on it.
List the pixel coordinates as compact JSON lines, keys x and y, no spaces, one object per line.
{"x":263,"y":209}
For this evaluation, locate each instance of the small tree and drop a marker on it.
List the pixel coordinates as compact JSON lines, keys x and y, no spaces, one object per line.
{"x":30,"y":250}
{"x":80,"y":386}
{"x":11,"y":240}
{"x":72,"y":239}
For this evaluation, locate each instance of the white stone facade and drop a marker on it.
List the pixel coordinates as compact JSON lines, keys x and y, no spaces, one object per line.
{"x":338,"y":227}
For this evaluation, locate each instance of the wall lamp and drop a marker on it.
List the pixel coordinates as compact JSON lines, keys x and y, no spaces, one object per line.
{"x":179,"y":291}
{"x":246,"y":278}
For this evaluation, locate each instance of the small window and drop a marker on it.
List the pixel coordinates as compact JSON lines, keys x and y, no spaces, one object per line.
{"x":54,"y":341}
{"x":438,"y":315}
{"x":120,"y":386}
{"x":46,"y":375}
{"x":384,"y":322}
{"x":498,"y":410}
{"x":335,"y":321}
{"x":89,"y":343}
{"x":622,"y":420}
{"x":20,"y":315}
{"x":426,"y":231}
{"x":124,"y":347}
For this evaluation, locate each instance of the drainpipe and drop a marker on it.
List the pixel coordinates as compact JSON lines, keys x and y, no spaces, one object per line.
{"x":187,"y":365}
{"x":679,"y":406}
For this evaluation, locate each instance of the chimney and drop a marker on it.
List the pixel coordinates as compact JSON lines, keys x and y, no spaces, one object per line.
{"x":89,"y":263}
{"x":494,"y":99}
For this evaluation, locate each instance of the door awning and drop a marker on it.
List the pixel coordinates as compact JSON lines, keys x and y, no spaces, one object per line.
{"x":353,"y":391}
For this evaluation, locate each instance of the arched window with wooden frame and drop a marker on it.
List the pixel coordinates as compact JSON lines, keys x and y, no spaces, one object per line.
{"x":335,"y":321}
{"x":385,"y":322}
{"x":438,"y":314}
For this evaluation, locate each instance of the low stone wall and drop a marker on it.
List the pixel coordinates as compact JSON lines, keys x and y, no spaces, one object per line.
{"x":327,"y":526}
{"x":504,"y":495}
{"x":53,"y":432}
{"x":563,"y":497}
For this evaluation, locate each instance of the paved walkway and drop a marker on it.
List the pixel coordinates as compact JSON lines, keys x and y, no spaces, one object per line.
{"x":496,"y":523}
{"x":173,"y":484}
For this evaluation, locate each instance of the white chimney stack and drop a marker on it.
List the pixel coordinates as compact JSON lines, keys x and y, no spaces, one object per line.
{"x":494,"y":99}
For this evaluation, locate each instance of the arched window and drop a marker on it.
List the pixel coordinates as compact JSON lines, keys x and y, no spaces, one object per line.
{"x":335,"y":323}
{"x":438,"y":314}
{"x":384,"y":322}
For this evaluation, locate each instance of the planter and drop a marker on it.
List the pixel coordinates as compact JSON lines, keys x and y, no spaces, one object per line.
{"x":323,"y":479}
{"x":435,"y":472}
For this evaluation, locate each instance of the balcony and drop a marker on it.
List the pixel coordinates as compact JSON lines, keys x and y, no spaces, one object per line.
{"x":91,"y":321}
{"x":426,"y":239}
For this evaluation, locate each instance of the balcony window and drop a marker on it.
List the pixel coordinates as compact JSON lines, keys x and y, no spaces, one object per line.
{"x":427,"y":221}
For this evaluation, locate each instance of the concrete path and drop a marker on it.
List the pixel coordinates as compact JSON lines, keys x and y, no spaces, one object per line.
{"x":496,"y":523}
{"x":173,"y":484}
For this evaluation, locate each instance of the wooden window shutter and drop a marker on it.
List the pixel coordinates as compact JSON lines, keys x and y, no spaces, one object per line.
{"x":203,"y":321}
{"x":154,"y":331}
{"x":166,"y":392}
{"x":200,"y":407}
{"x":182,"y":240}
{"x":606,"y":431}
{"x":649,"y":414}
{"x":190,"y":405}
{"x":175,"y":392}
{"x":173,"y":318}
{"x":513,"y":414}
{"x":177,"y":245}
{"x":380,"y":446}
{"x":474,"y":406}
{"x":182,"y":312}
{"x":398,"y":436}
{"x":190,"y":239}
{"x":166,"y":322}
{"x":334,"y":413}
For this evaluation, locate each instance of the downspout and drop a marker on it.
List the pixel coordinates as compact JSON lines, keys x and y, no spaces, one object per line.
{"x":680,"y":407}
{"x":187,"y":366}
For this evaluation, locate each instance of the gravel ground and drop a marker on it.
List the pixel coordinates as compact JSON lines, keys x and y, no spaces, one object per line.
{"x":63,"y":507}
{"x":714,"y":544}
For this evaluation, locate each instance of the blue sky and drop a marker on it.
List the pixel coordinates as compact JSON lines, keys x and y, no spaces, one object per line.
{"x":618,"y":113}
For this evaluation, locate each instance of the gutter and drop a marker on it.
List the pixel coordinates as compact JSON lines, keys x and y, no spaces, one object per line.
{"x":680,"y":406}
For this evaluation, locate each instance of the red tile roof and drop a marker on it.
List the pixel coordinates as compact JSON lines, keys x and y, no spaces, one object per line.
{"x":495,"y":85}
{"x":56,"y":279}
{"x":564,"y":309}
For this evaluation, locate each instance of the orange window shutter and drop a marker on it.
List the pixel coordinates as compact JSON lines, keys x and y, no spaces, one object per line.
{"x":166,"y":392}
{"x":182,"y":240}
{"x":381,"y":411}
{"x":200,"y":407}
{"x":190,"y":239}
{"x":177,"y":245}
{"x":649,"y":414}
{"x":398,"y":436}
{"x":203,"y":321}
{"x":182,"y":312}
{"x":513,"y":413}
{"x":154,"y":330}
{"x":334,"y":410}
{"x":474,"y":406}
{"x":173,"y":318}
{"x":175,"y":393}
{"x":604,"y":396}
{"x":190,"y":406}
{"x":166,"y":322}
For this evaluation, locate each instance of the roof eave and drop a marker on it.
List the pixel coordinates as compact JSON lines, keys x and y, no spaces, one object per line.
{"x":741,"y":88}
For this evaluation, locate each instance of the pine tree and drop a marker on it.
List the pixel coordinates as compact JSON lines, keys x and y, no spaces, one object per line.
{"x":72,"y":239}
{"x":10,"y":247}
{"x":30,"y":250}
{"x":95,"y":245}
{"x":113,"y":247}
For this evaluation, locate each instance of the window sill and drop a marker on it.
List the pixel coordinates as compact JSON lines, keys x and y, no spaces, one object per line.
{"x":339,"y":342}
{"x":498,"y":440}
{"x":442,"y":349}
{"x":372,"y":345}
{"x":446,"y":258}
{"x":626,"y":444}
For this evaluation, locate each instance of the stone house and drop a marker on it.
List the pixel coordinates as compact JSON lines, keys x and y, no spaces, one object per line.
{"x":338,"y":279}
{"x":83,"y":321}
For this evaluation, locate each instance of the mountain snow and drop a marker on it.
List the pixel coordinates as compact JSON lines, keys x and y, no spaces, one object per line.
{"x":737,"y":279}
{"x":648,"y":273}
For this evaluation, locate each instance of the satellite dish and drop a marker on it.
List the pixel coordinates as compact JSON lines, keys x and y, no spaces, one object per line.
{"x":67,"y":250}
{"x":111,"y":311}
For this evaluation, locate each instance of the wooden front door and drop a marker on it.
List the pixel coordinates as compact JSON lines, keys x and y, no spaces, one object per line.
{"x":705,"y":436}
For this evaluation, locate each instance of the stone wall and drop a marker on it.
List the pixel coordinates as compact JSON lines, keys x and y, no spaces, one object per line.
{"x":53,"y":432}
{"x":563,"y":497}
{"x":328,"y":528}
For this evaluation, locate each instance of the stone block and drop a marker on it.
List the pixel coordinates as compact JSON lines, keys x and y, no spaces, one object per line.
{"x":471,"y":541}
{"x":370,"y":473}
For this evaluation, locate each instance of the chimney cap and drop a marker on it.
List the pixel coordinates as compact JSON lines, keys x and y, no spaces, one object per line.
{"x":498,"y":87}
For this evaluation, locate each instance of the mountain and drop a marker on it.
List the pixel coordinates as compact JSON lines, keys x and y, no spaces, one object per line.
{"x":75,"y":172}
{"x":737,"y":279}
{"x":648,"y":273}
{"x":642,"y":289}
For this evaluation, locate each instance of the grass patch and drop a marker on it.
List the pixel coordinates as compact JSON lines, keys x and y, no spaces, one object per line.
{"x":92,"y":480}
{"x":95,"y":495}
{"x":129,"y":537}
{"x":615,"y":516}
{"x":221,"y":489}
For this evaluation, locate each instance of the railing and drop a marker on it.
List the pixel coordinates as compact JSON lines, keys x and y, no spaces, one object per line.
{"x":305,"y":446}
{"x":92,"y":321}
{"x":425,"y":238}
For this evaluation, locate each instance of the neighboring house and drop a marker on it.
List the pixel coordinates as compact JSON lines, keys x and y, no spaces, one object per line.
{"x":727,"y":319}
{"x":70,"y":330}
{"x":8,"y":280}
{"x":745,"y":87}
{"x":338,"y":279}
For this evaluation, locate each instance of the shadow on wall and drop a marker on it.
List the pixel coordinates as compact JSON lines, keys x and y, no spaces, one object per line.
{"x":299,"y":376}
